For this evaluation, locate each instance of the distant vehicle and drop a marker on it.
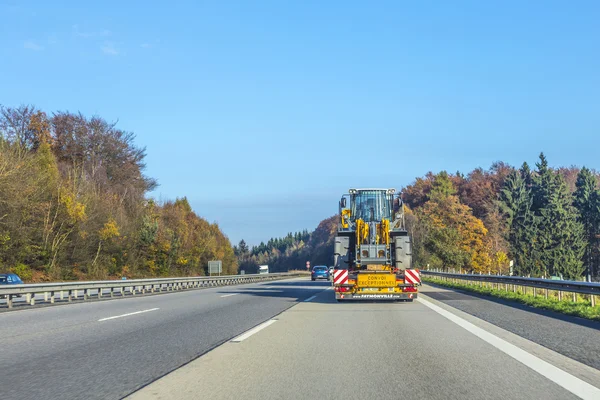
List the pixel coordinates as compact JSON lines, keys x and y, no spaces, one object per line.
{"x":319,"y":272}
{"x":10,"y":279}
{"x":263,"y":269}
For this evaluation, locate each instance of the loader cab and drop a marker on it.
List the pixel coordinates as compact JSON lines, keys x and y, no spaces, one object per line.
{"x":372,"y":205}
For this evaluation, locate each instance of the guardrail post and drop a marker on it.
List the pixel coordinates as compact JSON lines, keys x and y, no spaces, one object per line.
{"x":534,"y":292}
{"x":546,"y":293}
{"x":574,"y":297}
{"x":560,"y":295}
{"x":69,"y":296}
{"x":51,"y":297}
{"x":112,"y":292}
{"x":45,"y":296}
{"x":61,"y":296}
{"x":593,"y":300}
{"x":9,"y":300}
{"x":133,"y":290}
{"x":28,"y":298}
{"x":75,"y":294}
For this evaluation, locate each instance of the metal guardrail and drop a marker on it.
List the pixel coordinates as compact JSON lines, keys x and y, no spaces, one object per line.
{"x":560,"y":286}
{"x":72,"y":290}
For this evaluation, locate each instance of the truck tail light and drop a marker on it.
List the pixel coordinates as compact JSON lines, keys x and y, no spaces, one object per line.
{"x":410,"y":289}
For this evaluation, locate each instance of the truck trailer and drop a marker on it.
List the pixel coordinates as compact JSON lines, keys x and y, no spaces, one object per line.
{"x":372,"y":252}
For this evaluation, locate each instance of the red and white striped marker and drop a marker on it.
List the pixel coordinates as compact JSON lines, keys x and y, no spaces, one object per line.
{"x":412,"y":276}
{"x":340,"y":276}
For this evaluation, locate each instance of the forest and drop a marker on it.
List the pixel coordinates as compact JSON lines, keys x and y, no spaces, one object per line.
{"x":544,"y":221}
{"x":74,"y":204}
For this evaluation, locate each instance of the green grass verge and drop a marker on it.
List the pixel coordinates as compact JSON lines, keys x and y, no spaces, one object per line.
{"x":582,"y":308}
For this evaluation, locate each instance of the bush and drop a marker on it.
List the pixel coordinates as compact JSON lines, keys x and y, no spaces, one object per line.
{"x":24,"y":272}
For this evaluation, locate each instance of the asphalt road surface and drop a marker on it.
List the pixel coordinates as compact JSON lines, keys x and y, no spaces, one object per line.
{"x":81,"y":350}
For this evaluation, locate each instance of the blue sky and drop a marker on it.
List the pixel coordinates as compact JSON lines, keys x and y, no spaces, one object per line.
{"x":263,"y":113}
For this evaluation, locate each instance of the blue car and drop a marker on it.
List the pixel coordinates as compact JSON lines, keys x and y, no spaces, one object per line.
{"x":10,"y":279}
{"x":319,"y":272}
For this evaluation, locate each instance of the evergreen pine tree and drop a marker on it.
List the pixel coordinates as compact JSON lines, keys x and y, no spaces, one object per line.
{"x":544,"y":183}
{"x":562,"y":233}
{"x":526,"y":174}
{"x":242,"y":247}
{"x":587,"y":202}
{"x":515,"y":202}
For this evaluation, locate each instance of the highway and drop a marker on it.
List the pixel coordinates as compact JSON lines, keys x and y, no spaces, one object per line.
{"x":290,"y":339}
{"x":73,"y":351}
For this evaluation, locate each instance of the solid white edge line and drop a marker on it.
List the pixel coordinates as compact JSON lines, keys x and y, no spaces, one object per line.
{"x":252,"y":331}
{"x":310,"y":298}
{"x":571,"y":383}
{"x":231,"y":294}
{"x":128,"y":314}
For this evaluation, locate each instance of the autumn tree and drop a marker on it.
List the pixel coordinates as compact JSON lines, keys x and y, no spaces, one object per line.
{"x":73,"y":204}
{"x":455,"y":238}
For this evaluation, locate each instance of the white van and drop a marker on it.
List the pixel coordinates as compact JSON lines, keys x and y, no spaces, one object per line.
{"x":263,"y":269}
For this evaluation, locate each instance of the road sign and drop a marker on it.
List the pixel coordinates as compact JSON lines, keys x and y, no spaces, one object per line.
{"x":215,"y":267}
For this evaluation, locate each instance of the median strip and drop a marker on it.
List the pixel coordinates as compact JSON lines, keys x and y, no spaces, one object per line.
{"x":128,"y":314}
{"x":571,"y":383}
{"x":252,"y":331}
